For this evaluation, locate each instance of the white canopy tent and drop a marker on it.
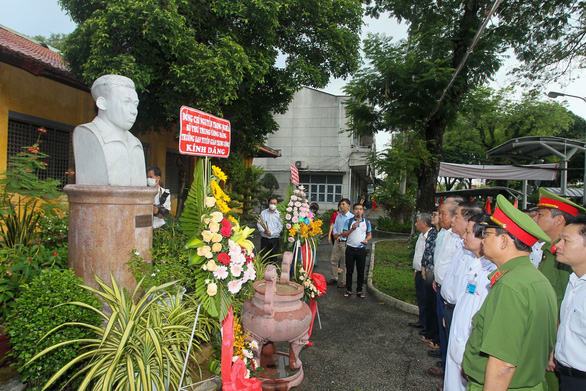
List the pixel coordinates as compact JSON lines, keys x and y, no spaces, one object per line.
{"x":538,"y":172}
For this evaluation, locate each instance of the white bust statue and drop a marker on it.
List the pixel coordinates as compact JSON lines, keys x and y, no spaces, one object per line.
{"x":106,"y":153}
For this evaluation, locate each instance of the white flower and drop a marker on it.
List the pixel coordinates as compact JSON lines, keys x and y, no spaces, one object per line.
{"x":253,"y":344}
{"x":234,"y":286}
{"x":207,"y":236}
{"x":212,"y":289}
{"x":136,"y":253}
{"x":212,"y":266}
{"x":293,"y":198}
{"x":221,"y":272}
{"x":247,"y":374}
{"x":203,"y":250}
{"x":246,"y":353}
{"x":210,"y":202}
{"x":152,"y":275}
{"x":217,"y":216}
{"x":214,"y":228}
{"x":301,"y":188}
{"x":236,"y":270}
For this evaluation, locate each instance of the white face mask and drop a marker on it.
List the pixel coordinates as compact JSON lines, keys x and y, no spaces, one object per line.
{"x":272,"y":207}
{"x":151,"y":182}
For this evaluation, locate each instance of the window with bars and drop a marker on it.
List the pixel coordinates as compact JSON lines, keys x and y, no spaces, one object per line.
{"x":55,"y":142}
{"x":321,"y":187}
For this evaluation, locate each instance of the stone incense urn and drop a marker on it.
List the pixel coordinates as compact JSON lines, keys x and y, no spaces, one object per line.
{"x":277,"y":313}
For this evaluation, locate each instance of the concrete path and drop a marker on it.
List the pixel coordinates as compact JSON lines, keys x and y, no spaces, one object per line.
{"x":364,"y":345}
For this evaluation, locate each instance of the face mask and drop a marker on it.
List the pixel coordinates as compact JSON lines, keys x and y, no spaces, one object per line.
{"x":272,"y":207}
{"x":151,"y":182}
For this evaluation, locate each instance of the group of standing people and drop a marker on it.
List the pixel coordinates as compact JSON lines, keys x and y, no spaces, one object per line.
{"x":490,"y":289}
{"x":349,"y":233}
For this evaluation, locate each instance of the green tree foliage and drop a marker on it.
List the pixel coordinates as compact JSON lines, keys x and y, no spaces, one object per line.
{"x":54,"y":40}
{"x":220,"y":56}
{"x":488,"y":118}
{"x":549,"y":38}
{"x":400,"y":88}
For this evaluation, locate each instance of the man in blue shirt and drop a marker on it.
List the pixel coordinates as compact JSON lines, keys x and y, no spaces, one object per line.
{"x":337,"y":259}
{"x":358,"y":232}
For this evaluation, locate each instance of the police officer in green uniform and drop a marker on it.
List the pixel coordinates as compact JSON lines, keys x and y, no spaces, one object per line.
{"x":513,"y":333}
{"x":553,"y":214}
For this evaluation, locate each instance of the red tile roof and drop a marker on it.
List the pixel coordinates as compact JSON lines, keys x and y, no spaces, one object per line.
{"x":25,"y":53}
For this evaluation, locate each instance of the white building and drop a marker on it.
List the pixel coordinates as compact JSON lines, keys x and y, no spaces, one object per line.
{"x":312,"y":135}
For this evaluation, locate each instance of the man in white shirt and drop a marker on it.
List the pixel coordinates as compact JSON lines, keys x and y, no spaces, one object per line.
{"x":448,"y":245}
{"x":269,"y":238}
{"x":570,"y":347}
{"x":162,"y":204}
{"x":471,"y":295}
{"x":338,"y":257}
{"x":423,"y":225}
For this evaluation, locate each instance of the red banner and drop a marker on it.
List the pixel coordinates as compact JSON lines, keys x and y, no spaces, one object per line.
{"x":203,"y":134}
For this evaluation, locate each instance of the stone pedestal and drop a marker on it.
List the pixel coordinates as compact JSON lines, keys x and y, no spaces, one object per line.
{"x":105,"y":224}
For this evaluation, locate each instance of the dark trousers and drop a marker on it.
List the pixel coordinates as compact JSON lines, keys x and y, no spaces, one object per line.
{"x":441,"y":306}
{"x":269,"y":247}
{"x":571,"y":381}
{"x":431,"y":311}
{"x":420,"y":292}
{"x":448,"y":315}
{"x":355,"y":256}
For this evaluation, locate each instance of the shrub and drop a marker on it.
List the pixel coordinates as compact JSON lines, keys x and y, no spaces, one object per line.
{"x":38,"y":311}
{"x":169,"y":260}
{"x":386,"y":224}
{"x":20,"y":264}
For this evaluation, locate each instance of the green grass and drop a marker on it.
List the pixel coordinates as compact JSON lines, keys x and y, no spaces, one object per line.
{"x":393,"y":270}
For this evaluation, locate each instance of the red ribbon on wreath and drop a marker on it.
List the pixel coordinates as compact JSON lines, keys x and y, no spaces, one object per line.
{"x":234,"y":375}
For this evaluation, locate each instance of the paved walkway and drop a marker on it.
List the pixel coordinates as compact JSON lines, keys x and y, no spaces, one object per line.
{"x":364,"y":345}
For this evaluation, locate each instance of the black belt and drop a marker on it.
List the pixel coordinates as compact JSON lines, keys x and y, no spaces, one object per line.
{"x":450,"y":306}
{"x":571,"y":372}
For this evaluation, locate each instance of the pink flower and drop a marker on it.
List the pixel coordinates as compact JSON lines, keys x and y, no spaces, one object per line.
{"x":287,"y":217}
{"x":295,"y":219}
{"x":288,"y":226}
{"x":293,"y":198}
{"x":236,"y":270}
{"x":298,"y":204}
{"x":221,"y":273}
{"x":163,"y":261}
{"x":290,"y":239}
{"x":234,"y":286}
{"x":289,"y":210}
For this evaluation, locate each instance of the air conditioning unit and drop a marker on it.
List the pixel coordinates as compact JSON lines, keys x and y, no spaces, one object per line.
{"x":301,"y":165}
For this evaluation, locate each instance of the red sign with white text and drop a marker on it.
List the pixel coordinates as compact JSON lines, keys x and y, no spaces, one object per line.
{"x":203,"y":134}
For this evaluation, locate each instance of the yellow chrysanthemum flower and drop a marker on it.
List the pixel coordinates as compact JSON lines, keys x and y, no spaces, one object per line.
{"x":219,"y":173}
{"x":224,"y":208}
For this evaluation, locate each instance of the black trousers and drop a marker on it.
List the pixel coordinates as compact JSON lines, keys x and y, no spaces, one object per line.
{"x":355,"y":256}
{"x":570,"y":380}
{"x":420,"y":292}
{"x":431,"y":326}
{"x":270,"y":247}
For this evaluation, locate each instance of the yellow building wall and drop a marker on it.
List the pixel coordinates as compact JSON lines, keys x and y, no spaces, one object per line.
{"x":25,"y":93}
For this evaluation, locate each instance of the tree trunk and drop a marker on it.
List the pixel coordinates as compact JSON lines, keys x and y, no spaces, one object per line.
{"x":427,"y":173}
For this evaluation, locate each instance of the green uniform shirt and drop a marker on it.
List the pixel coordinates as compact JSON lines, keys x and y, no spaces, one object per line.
{"x":557,"y":273}
{"x":516,"y":324}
